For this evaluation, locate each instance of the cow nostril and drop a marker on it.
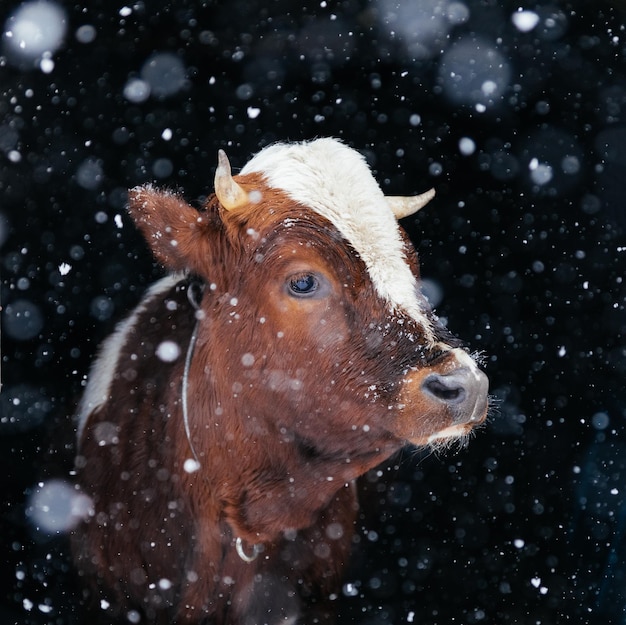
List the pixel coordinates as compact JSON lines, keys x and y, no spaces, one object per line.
{"x":446,"y":388}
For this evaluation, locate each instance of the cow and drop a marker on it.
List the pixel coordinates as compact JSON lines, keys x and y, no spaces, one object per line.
{"x":288,"y":351}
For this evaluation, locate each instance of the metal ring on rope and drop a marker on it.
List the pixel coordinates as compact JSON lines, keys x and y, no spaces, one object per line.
{"x":256,"y":550}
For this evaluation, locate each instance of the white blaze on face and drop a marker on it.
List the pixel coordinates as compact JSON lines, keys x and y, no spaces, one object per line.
{"x":335,"y":181}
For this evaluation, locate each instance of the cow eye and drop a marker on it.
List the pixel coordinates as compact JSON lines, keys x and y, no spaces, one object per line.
{"x":303,"y":285}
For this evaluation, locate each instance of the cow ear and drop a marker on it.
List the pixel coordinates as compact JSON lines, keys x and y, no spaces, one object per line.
{"x":176,"y":232}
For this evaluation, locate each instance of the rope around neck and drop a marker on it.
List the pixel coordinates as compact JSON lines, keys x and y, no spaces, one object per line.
{"x":190,"y":350}
{"x":194,"y":300}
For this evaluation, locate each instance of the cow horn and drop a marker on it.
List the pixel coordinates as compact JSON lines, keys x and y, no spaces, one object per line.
{"x":228,"y":192}
{"x":405,"y":206}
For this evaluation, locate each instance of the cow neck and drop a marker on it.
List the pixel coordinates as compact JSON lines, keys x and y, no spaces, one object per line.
{"x":195,"y":290}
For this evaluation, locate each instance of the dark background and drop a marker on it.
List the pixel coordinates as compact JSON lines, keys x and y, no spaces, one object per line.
{"x":524,"y":248}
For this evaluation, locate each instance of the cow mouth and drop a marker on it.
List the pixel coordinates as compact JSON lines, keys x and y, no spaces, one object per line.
{"x":458,"y":434}
{"x":448,"y":436}
{"x":451,"y":432}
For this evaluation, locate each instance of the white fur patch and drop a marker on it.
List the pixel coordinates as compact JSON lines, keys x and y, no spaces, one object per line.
{"x":98,"y":389}
{"x":336,"y":182}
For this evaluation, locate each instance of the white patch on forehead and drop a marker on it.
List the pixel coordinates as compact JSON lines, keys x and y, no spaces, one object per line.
{"x":335,"y":181}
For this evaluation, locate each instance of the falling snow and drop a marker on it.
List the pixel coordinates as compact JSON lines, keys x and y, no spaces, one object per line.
{"x":56,"y":506}
{"x":34,"y":29}
{"x":515,"y":113}
{"x":168,"y":351}
{"x":525,"y":21}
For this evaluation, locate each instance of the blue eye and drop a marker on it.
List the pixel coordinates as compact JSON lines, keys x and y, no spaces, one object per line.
{"x":303,"y":284}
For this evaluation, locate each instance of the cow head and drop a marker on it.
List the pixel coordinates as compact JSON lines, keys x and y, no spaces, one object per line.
{"x":312,"y":321}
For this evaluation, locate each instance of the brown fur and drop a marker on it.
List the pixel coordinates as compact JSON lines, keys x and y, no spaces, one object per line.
{"x":290,"y":399}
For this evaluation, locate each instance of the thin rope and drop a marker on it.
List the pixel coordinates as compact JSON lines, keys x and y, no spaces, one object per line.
{"x":191,"y":296}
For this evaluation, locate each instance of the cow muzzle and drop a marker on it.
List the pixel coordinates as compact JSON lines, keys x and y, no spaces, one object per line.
{"x":444,"y":402}
{"x":462,"y":391}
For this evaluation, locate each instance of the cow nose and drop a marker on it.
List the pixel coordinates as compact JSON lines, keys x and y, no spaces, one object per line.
{"x":463,"y":391}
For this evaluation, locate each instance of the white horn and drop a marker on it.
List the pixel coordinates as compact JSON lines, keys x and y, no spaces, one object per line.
{"x":405,"y":206}
{"x":228,"y":192}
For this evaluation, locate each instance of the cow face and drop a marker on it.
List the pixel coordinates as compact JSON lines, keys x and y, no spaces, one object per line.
{"x":313,"y":306}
